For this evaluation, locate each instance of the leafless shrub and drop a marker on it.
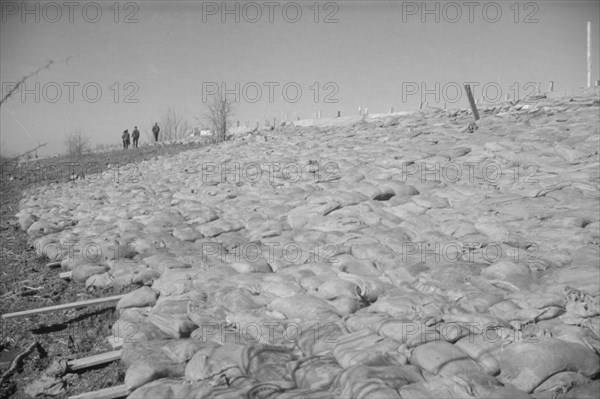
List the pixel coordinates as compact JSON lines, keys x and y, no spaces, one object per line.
{"x":220,"y":113}
{"x":173,"y":126}
{"x":78,"y":143}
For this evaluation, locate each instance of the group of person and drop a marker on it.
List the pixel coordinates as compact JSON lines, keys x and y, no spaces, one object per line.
{"x":135,"y":136}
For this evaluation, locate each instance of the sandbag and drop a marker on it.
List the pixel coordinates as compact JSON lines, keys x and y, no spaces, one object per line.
{"x":141,"y":297}
{"x":317,"y":372}
{"x":367,"y":349}
{"x":151,"y":368}
{"x":304,"y":307}
{"x":527,"y":365}
{"x":443,"y":358}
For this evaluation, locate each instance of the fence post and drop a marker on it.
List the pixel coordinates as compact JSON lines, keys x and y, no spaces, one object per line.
{"x":472,"y":102}
{"x":589,"y":54}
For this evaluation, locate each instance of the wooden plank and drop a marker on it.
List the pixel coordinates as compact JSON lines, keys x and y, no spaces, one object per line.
{"x":95,"y":360}
{"x":53,"y":264}
{"x":119,"y":391}
{"x":82,"y":304}
{"x":65,"y":275}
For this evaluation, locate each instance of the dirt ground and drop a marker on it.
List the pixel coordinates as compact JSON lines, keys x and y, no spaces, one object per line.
{"x":26,"y":283}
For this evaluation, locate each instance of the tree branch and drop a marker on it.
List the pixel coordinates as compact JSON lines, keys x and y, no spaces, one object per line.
{"x":20,"y":82}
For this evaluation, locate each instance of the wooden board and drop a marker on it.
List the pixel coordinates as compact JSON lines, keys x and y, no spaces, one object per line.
{"x":120,"y":391}
{"x":65,"y":275}
{"x":64,"y":306}
{"x":95,"y":360}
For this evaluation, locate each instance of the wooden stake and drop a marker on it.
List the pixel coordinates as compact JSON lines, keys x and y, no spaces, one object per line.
{"x":589,"y":54}
{"x":64,"y":306}
{"x":120,"y":391}
{"x":551,"y":86}
{"x":95,"y":360}
{"x":472,"y":102}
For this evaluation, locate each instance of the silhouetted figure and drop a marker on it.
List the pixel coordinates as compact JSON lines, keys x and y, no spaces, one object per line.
{"x":125,"y":138}
{"x":155,"y":130}
{"x":135,"y":135}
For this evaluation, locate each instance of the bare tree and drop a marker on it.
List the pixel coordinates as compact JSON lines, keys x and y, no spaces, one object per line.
{"x":220,"y":113}
{"x":77,"y":143}
{"x":173,"y":125}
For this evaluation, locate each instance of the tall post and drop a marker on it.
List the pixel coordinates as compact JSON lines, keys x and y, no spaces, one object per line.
{"x":472,"y":102}
{"x":589,"y":54}
{"x":551,"y":86}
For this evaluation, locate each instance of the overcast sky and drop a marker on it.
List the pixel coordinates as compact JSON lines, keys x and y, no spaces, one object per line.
{"x":129,"y":64}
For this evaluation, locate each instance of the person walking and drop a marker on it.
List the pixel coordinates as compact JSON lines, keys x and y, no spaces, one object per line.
{"x":155,"y":130}
{"x":125,"y":138}
{"x":135,"y":135}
